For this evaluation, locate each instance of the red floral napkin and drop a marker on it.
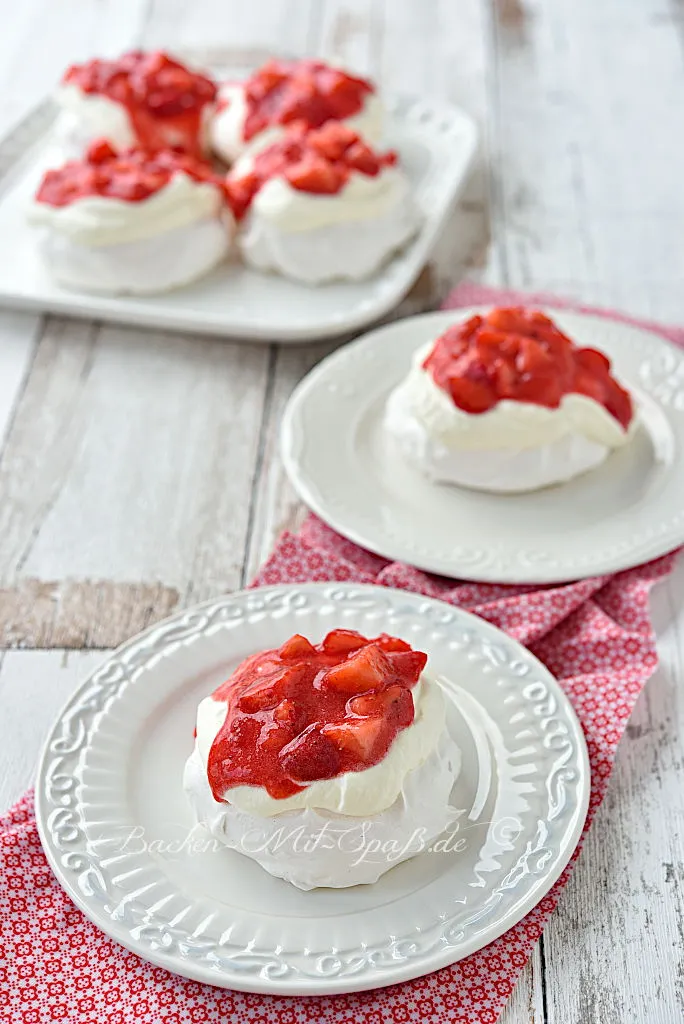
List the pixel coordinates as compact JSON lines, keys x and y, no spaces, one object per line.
{"x":594,"y":635}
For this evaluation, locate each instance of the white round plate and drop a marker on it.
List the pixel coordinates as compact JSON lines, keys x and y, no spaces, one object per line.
{"x":628,"y":510}
{"x":117,"y":830}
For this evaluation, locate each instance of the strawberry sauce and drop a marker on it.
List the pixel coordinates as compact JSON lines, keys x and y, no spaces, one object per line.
{"x":319,"y":162}
{"x":302,"y":713}
{"x":133,"y":175}
{"x":306,"y":91}
{"x":520,"y":354}
{"x":164,"y":100}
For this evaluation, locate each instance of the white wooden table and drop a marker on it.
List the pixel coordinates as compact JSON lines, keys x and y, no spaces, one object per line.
{"x":139,"y":472}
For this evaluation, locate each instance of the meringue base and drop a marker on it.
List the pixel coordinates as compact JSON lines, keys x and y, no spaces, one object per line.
{"x":315,"y":848}
{"x":497,"y":470}
{"x":349,"y":250}
{"x":142,"y":267}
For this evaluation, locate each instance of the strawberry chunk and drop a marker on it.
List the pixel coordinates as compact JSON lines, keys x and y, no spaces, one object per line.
{"x":100,"y":151}
{"x":332,"y":140}
{"x":394,"y":704}
{"x":593,"y":360}
{"x":408,"y":665}
{"x":343,"y":641}
{"x":315,"y":175}
{"x":357,"y":737}
{"x":391,"y":643}
{"x":296,"y":647}
{"x":366,"y":670}
{"x":310,"y":756}
{"x":471,"y":395}
{"x":362,"y":158}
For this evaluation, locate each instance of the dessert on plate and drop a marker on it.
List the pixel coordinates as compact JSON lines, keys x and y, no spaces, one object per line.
{"x":507,"y":402}
{"x":252,"y":114}
{"x":322,"y":762}
{"x":132,"y":222}
{"x":140,"y":99}
{"x":321,"y":205}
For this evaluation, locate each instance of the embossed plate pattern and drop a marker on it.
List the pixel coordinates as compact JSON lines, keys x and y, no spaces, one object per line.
{"x":626,"y":511}
{"x":116,"y":827}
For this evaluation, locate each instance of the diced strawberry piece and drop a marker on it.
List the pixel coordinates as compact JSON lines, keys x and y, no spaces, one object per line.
{"x":357,"y":737}
{"x":586,"y":384}
{"x":343,"y":641}
{"x":491,"y":339}
{"x":471,"y":395}
{"x":619,"y":404}
{"x":269,"y":692}
{"x":408,"y":665}
{"x":532,"y":358}
{"x":511,"y":319}
{"x":505,"y":379}
{"x":287,"y":713}
{"x":296,"y":647}
{"x":274,"y":736}
{"x":332,"y":140}
{"x":362,"y":158}
{"x":391,"y":643}
{"x":100,"y":151}
{"x":366,"y":670}
{"x":394,"y":704}
{"x":540,"y":388}
{"x":316,"y":176}
{"x":593,"y":360}
{"x":310,"y":756}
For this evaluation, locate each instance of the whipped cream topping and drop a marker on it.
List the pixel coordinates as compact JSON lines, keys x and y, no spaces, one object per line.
{"x":100,"y":221}
{"x":87,"y":116}
{"x":227,"y":126}
{"x":360,"y":793}
{"x":509,"y":424}
{"x":362,"y":198}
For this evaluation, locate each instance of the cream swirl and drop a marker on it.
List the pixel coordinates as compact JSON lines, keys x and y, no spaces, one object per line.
{"x":362,"y":198}
{"x":100,"y":220}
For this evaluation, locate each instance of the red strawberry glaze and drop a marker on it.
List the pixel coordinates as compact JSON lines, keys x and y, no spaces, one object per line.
{"x":164,"y":99}
{"x":521,"y":355}
{"x":132,"y":175}
{"x":301,"y":713}
{"x":319,"y":162}
{"x":306,"y":91}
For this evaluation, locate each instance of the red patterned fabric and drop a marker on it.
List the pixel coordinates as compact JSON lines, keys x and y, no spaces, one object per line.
{"x":594,"y":635}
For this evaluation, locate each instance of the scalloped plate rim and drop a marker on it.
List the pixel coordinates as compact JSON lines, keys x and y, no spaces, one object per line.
{"x":406,"y":973}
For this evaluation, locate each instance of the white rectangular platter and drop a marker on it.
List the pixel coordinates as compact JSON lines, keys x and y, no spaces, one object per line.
{"x":436,"y":144}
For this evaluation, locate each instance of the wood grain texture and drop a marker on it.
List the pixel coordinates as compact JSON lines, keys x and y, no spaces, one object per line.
{"x":33,"y":687}
{"x":587,"y":173}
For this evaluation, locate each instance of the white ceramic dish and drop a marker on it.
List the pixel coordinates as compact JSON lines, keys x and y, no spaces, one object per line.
{"x":113,"y":817}
{"x":626,"y":511}
{"x":436,"y":144}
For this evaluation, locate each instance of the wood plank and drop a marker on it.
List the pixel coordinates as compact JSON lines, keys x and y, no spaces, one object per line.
{"x":129,"y":461}
{"x":525,"y":1005}
{"x":614,"y":948}
{"x":588,"y":185}
{"x":33,"y":687}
